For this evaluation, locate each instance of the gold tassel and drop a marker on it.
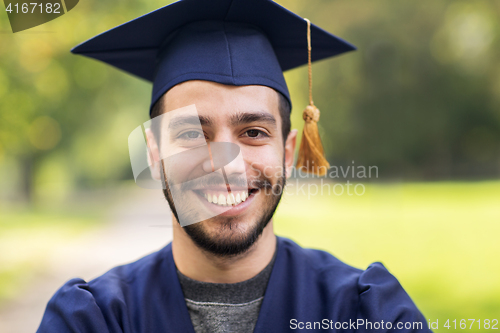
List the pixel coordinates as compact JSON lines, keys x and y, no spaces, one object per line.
{"x":311,"y":155}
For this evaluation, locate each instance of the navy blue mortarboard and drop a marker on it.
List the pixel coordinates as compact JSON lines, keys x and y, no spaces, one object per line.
{"x":235,"y":42}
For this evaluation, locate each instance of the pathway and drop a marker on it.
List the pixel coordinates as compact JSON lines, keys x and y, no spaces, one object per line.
{"x":139,"y":225}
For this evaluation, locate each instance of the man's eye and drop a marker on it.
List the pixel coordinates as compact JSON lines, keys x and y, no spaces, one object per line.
{"x":191,"y":135}
{"x":253,"y":133}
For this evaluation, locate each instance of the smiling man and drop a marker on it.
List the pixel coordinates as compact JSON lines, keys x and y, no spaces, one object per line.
{"x":221,"y":144}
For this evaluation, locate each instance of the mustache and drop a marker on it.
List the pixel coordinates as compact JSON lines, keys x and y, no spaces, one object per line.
{"x":233,"y":181}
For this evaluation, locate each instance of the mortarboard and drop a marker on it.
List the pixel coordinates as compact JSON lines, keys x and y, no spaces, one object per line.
{"x":234,"y":42}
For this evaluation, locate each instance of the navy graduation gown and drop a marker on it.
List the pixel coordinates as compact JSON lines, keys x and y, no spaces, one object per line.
{"x":306,"y":288}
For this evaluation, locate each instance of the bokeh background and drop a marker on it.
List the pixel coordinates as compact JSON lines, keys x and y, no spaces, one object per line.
{"x":420,"y":100}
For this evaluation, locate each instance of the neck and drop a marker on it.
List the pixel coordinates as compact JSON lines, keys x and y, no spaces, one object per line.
{"x":200,"y":265}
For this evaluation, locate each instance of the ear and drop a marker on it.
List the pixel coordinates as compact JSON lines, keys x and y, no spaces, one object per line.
{"x":290,"y":143}
{"x":153,"y":154}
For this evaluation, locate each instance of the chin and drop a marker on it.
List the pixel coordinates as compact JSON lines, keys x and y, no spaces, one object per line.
{"x":226,"y":236}
{"x":222,"y":226}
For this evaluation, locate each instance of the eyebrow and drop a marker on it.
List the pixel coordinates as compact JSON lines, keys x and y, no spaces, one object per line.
{"x":235,"y":120}
{"x":251,"y":117}
{"x":189,"y":120}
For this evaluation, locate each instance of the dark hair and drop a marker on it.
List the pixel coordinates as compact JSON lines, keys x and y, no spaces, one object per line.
{"x":283,"y":106}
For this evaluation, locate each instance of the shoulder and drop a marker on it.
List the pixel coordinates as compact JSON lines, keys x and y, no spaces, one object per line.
{"x":71,"y":308}
{"x":382,"y":298}
{"x":317,"y":263}
{"x":97,"y":304}
{"x":324,"y":266}
{"x":372,"y":295}
{"x":133,"y":278}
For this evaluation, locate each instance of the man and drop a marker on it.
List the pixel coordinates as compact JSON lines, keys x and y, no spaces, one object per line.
{"x":221,"y":143}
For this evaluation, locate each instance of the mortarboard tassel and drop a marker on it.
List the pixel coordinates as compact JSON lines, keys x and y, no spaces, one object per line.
{"x":311,"y":155}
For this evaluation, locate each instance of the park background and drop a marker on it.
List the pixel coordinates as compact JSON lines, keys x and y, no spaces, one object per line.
{"x":420,"y":100}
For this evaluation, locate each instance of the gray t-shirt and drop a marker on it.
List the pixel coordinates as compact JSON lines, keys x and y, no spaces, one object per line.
{"x":225,"y":307}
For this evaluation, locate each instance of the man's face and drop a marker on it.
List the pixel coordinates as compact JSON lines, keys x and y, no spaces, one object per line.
{"x":246,"y":116}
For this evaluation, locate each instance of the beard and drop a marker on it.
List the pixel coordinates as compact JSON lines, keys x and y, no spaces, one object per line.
{"x":229,"y":240}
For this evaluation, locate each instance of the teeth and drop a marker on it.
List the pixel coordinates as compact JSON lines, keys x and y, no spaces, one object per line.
{"x":221,"y":200}
{"x":227,"y":201}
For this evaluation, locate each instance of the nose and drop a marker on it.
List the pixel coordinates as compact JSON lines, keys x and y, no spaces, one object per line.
{"x":225,"y":155}
{"x":236,"y":166}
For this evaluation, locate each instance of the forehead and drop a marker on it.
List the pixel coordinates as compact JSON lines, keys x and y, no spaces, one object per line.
{"x":220,"y":100}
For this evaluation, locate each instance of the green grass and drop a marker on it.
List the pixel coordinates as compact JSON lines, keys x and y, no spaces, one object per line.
{"x":441,"y":240}
{"x":27,"y":239}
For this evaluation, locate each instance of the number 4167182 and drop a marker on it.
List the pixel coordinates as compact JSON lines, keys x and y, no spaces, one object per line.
{"x":469,"y":323}
{"x":24,"y":8}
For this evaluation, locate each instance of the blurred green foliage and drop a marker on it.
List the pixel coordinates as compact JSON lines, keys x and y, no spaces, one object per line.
{"x":65,"y":119}
{"x":420,"y":98}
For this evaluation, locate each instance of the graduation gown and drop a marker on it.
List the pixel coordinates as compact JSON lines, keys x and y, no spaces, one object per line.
{"x":305,"y":287}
